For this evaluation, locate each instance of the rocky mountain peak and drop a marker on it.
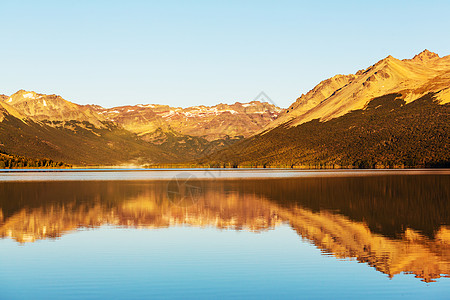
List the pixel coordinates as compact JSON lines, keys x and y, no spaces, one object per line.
{"x":40,"y":107}
{"x":425,"y":55}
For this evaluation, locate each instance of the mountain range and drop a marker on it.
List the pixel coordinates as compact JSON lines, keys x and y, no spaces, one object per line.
{"x":37,"y":125}
{"x":394,"y":113}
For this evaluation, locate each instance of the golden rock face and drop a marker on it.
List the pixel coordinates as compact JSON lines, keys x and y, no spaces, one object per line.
{"x":350,"y":219}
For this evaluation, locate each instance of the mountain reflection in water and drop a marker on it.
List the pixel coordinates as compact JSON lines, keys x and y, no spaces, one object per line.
{"x":393,"y":223}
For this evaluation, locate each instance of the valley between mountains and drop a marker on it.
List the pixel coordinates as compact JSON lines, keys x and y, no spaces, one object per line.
{"x":393,"y":114}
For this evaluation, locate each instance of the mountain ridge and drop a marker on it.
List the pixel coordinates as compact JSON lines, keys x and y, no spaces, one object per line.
{"x":209,"y":122}
{"x":331,"y":97}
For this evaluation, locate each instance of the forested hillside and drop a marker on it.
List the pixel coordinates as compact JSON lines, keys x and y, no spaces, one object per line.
{"x":19,"y":162}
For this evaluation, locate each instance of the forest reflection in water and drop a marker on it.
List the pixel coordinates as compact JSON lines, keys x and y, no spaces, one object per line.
{"x":392,"y":223}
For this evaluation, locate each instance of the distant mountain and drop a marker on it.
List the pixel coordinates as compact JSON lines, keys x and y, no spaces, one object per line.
{"x":395,"y":113}
{"x":209,"y":122}
{"x":48,"y":126}
{"x":48,"y":108}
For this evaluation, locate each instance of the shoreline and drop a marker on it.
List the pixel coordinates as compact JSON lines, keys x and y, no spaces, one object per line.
{"x":183,"y":175}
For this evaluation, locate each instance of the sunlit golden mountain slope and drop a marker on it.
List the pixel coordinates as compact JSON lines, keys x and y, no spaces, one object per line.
{"x":336,"y":96}
{"x":6,"y":109}
{"x":41,"y":107}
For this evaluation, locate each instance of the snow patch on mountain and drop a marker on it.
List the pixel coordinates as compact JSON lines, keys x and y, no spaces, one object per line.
{"x":28,"y":95}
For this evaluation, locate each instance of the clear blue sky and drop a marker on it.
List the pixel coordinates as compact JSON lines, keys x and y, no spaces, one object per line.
{"x":185,"y":53}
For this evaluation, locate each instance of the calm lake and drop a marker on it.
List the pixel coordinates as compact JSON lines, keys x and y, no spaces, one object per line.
{"x":184,"y":234}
